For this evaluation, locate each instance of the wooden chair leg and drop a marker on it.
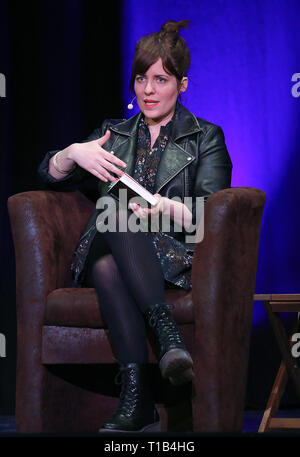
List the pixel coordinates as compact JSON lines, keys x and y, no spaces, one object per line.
{"x":288,"y":368}
{"x":274,"y":398}
{"x":284,"y":346}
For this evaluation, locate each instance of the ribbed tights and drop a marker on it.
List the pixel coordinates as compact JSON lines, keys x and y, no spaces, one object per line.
{"x":127,"y":275}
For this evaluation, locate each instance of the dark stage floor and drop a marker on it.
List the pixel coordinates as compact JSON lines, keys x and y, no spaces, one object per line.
{"x":251,"y":421}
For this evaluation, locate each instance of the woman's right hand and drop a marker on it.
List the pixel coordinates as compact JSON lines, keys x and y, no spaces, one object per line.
{"x":93,"y":158}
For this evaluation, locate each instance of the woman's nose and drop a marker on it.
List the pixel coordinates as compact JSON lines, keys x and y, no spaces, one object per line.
{"x":149,"y":88}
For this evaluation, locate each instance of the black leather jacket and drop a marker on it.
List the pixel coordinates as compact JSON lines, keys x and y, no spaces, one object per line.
{"x":195,"y":162}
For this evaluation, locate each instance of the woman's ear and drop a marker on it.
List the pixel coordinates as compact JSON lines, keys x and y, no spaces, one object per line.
{"x":183,"y":84}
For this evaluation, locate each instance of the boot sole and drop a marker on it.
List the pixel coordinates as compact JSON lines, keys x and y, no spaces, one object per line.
{"x":177,"y":365}
{"x":155,"y":427}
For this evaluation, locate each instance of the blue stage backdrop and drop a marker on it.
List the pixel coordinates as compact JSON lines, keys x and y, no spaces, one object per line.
{"x":244,"y":76}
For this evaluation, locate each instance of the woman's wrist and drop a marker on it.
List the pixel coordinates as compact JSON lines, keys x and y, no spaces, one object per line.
{"x":69,"y":152}
{"x":62,"y":163}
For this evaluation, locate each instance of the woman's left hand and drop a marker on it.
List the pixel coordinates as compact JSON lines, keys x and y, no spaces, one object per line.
{"x":142,"y":213}
{"x":175,"y":210}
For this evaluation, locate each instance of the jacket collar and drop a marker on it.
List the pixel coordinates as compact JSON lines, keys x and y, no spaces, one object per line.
{"x":184,"y":124}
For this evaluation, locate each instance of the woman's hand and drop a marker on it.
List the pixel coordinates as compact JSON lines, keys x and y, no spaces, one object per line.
{"x":142,"y":213}
{"x":90,"y":156}
{"x":93,"y":158}
{"x":175,"y":210}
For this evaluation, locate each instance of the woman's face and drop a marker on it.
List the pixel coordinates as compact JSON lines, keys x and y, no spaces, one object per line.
{"x":156,"y":92}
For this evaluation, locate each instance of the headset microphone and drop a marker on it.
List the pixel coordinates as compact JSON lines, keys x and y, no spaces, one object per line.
{"x":130,"y":106}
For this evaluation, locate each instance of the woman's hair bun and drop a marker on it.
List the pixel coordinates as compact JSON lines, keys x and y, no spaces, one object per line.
{"x":173,"y":27}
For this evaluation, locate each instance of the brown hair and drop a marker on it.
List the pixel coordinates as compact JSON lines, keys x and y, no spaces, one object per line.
{"x":165,"y":44}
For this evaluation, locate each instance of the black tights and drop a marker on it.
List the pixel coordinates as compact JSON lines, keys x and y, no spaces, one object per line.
{"x":127,"y":275}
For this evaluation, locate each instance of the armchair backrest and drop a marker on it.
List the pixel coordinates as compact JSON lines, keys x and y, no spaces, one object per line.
{"x":46,"y":227}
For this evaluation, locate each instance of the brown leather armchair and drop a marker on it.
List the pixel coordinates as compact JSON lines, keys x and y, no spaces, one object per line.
{"x":65,"y":364}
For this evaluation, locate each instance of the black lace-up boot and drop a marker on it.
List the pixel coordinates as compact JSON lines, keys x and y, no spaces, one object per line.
{"x":174,"y":361}
{"x":136,"y":411}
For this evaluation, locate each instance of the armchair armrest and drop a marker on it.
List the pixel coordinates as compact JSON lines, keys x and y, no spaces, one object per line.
{"x":223,"y":278}
{"x":228,"y":252}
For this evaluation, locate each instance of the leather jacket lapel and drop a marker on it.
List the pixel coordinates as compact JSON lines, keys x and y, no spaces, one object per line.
{"x":173,"y":160}
{"x":125,"y":141}
{"x":123,"y":148}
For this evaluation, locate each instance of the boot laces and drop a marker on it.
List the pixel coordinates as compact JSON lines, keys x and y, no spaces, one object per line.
{"x":129,"y":391}
{"x":162,"y":319}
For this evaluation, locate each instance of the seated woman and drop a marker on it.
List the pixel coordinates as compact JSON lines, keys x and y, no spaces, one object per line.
{"x":172,"y":154}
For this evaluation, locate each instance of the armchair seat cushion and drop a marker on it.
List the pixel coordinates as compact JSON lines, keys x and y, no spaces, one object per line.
{"x":74,"y":307}
{"x":78,"y":307}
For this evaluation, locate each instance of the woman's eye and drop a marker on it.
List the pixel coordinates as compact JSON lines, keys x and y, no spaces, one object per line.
{"x":161,"y":80}
{"x":140,"y":79}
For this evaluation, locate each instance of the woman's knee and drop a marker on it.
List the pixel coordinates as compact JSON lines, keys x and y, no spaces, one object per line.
{"x":105,"y":269}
